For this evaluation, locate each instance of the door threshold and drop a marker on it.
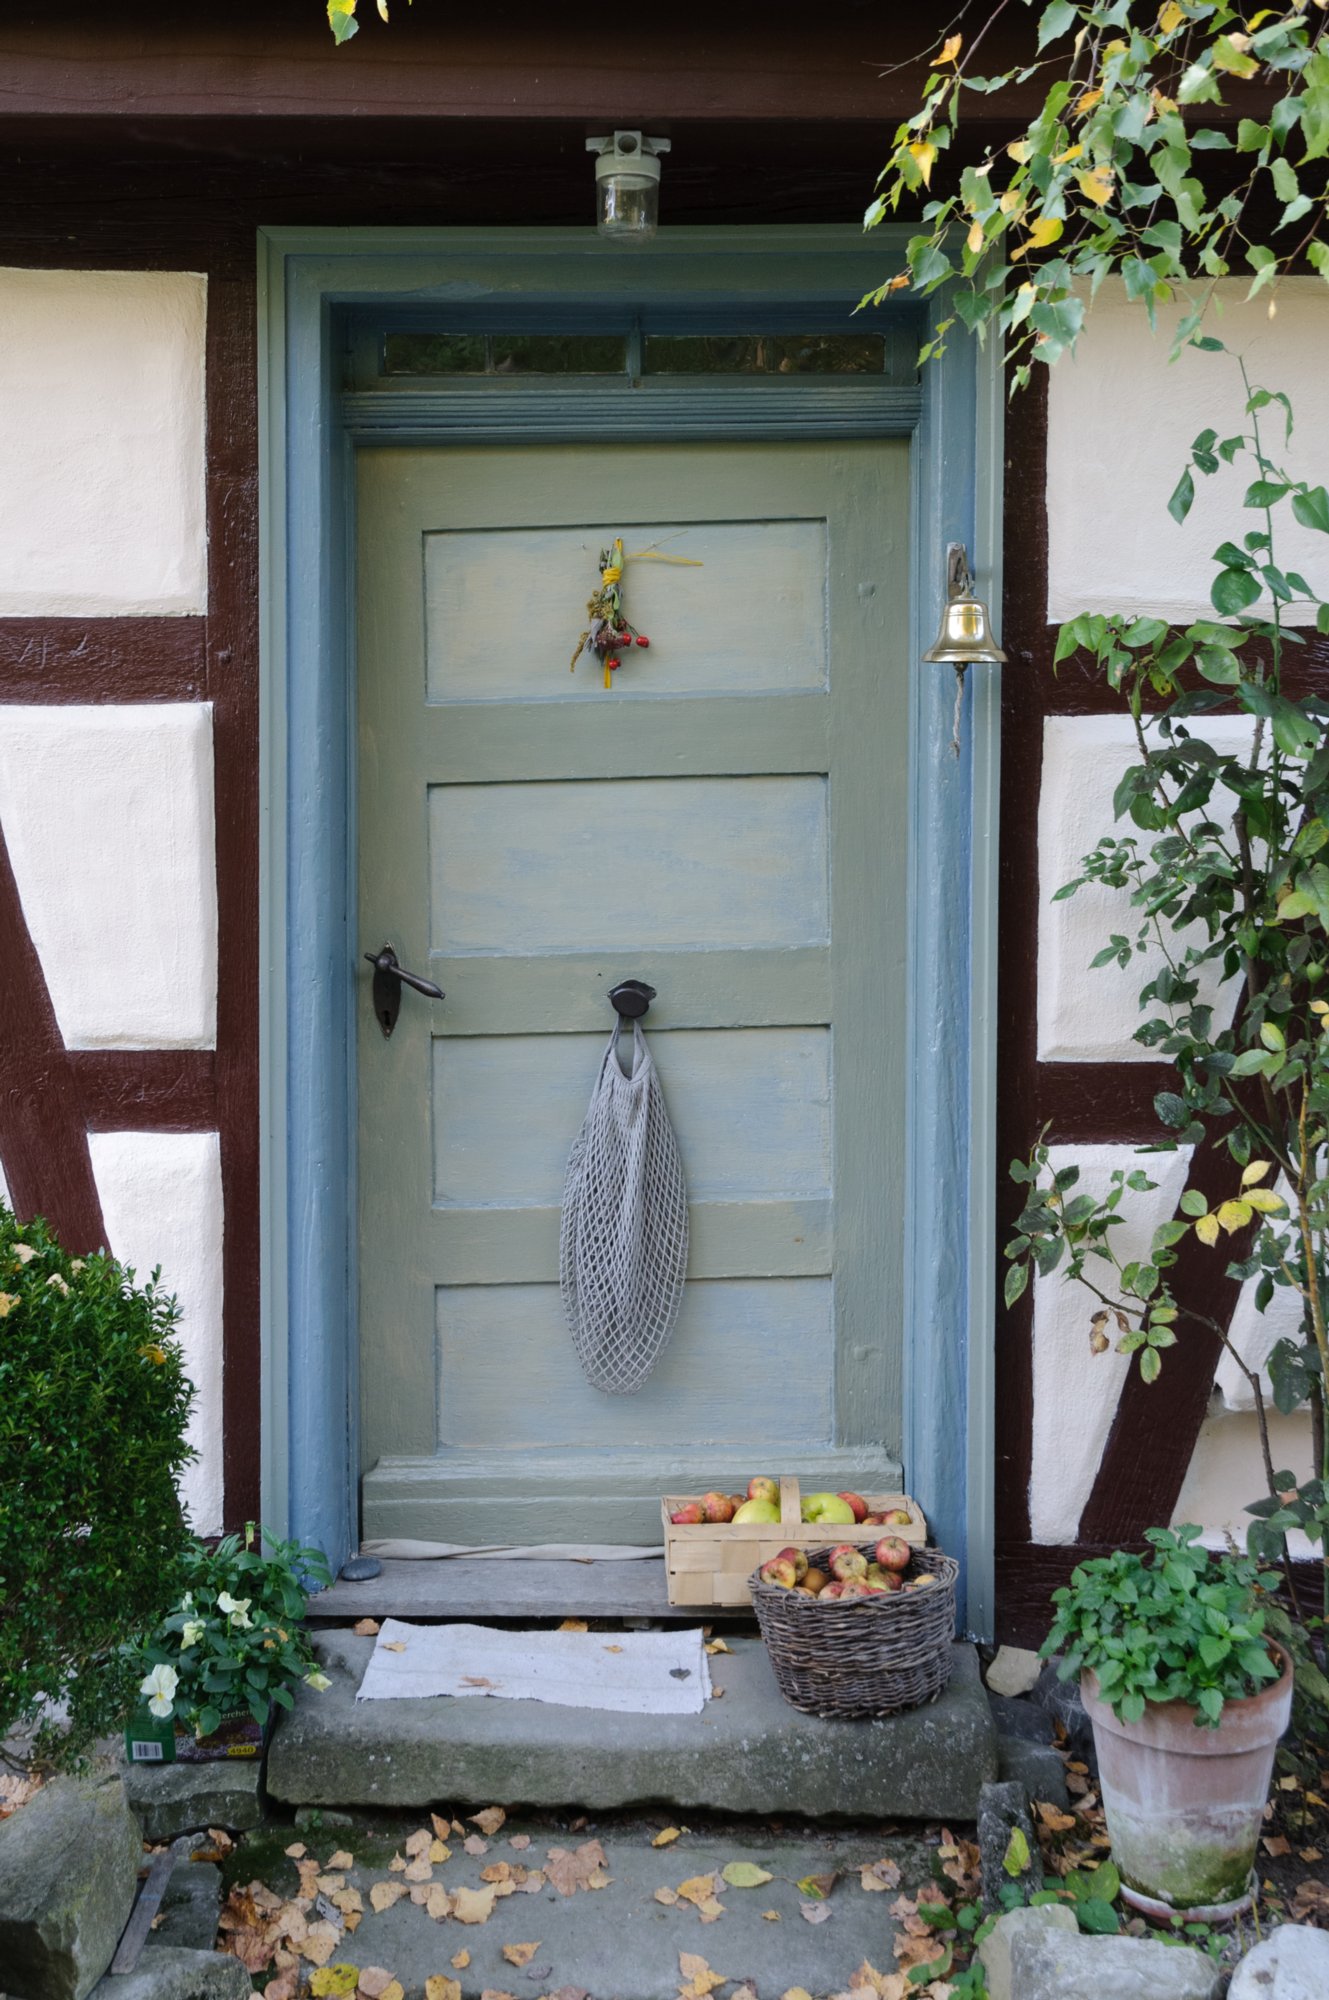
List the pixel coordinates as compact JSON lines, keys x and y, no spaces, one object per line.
{"x":461,"y":1587}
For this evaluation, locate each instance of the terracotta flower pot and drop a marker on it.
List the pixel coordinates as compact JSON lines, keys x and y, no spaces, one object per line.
{"x":1185,"y":1806}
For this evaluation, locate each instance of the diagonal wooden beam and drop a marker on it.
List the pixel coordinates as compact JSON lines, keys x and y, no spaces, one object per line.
{"x":43,"y":1138}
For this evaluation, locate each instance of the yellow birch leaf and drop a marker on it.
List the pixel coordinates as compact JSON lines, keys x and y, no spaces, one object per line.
{"x":1264,"y":1201}
{"x":925,"y":154}
{"x":490,"y":1820}
{"x":1096,"y":185}
{"x":473,"y":1906}
{"x":1044,"y":231}
{"x":670,"y":1833}
{"x":1011,"y":202}
{"x":460,"y":1960}
{"x":295,"y":1850}
{"x":520,"y":1954}
{"x":718,"y":1645}
{"x":1256,"y":1171}
{"x":700,"y":1979}
{"x":574,"y":1625}
{"x":796,"y":1993}
{"x":974,"y":240}
{"x":770,"y":1916}
{"x":331,"y":1981}
{"x":1207,"y":1229}
{"x":1085,"y":102}
{"x":745,"y":1875}
{"x":950,"y":49}
{"x":1019,"y":151}
{"x":438,"y":1903}
{"x":667,"y":1896}
{"x":1234,"y":1215}
{"x":383,"y":1895}
{"x":1064,"y":159}
{"x":1170,"y":17}
{"x":697,"y":1888}
{"x":440,"y":1987}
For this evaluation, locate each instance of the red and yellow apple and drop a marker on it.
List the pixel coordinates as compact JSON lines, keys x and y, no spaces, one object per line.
{"x":897,"y":1518}
{"x":816,"y":1580}
{"x":827,"y":1507}
{"x":892,"y":1553}
{"x":856,"y":1503}
{"x":760,"y":1487}
{"x":780,"y":1571}
{"x":717,"y":1507}
{"x":848,"y":1563}
{"x":688,"y":1515}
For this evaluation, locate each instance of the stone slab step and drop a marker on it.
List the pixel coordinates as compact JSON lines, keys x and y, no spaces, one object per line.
{"x":749,"y":1753}
{"x":478,"y":1588}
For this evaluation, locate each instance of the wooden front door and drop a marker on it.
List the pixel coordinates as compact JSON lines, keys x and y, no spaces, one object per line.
{"x":729,"y":825}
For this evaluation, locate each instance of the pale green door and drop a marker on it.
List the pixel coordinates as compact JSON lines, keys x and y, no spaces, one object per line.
{"x":729,"y":825}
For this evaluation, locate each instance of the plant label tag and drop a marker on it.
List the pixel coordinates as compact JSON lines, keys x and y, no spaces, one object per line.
{"x":329,"y":1912}
{"x":145,"y":1753}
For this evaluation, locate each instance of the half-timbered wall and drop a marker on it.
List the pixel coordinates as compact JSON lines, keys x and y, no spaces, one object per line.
{"x":1088,"y":1455}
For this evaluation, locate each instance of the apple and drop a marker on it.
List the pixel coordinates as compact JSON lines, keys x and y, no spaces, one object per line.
{"x":832,"y":1590}
{"x":762,"y":1488}
{"x":688,"y":1515}
{"x":921,"y":1582}
{"x":873,"y":1521}
{"x":827,"y":1507}
{"x":816,"y":1580}
{"x":848,"y":1563}
{"x":858,"y":1504}
{"x":897,"y":1518}
{"x":892,"y":1553}
{"x":757,"y":1510}
{"x":779,"y":1570}
{"x":798,"y":1559}
{"x":801,"y":1590}
{"x":855,"y":1587}
{"x":738,"y":1499}
{"x":717,"y":1507}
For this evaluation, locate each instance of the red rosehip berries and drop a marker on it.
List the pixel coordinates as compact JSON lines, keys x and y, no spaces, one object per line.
{"x":612,"y":665}
{"x":642,"y":641}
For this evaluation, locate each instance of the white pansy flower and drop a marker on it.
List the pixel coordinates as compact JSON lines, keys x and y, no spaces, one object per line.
{"x":317,"y":1681}
{"x":191,"y":1634}
{"x":24,"y":1253}
{"x":160,"y":1686}
{"x":59,"y":1284}
{"x":236,"y":1609}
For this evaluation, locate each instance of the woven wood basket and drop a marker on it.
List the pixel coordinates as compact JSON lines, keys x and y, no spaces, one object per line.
{"x":871,"y":1656}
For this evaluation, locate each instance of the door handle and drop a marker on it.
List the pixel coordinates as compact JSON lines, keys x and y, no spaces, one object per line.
{"x":389,"y":977}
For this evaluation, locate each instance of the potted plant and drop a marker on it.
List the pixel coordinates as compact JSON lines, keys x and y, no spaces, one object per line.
{"x":1188,"y":1697}
{"x":232,"y":1648}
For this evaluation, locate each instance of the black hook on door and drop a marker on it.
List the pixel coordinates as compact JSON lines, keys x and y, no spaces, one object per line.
{"x":389,"y":978}
{"x":631,"y":999}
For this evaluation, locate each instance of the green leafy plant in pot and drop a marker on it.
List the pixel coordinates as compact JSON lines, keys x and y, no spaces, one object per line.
{"x":1188,"y":1696}
{"x":233,"y":1647}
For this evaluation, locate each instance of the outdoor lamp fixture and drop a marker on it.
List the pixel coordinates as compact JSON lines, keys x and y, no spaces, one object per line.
{"x":627,"y":185}
{"x":966,"y":638}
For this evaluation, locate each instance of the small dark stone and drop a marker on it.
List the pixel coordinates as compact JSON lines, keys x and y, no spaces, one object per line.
{"x":190,"y":1907}
{"x":1037,"y":1768}
{"x":1002,"y":1809}
{"x":360,"y":1569}
{"x":1017,"y":1715}
{"x":1061,"y":1700}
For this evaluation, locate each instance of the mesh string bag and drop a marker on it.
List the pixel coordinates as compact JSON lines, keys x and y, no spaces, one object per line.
{"x":623,"y":1246}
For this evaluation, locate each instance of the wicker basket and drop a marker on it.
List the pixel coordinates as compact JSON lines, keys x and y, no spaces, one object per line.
{"x":871,"y":1656}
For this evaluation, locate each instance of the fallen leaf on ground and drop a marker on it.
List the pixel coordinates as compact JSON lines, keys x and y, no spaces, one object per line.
{"x":394,"y":1645}
{"x":1311,"y":1899}
{"x":1276,"y":1844}
{"x":613,"y":1649}
{"x":574,"y":1625}
{"x":710,"y":1911}
{"x":327,"y":1884}
{"x":715,"y":1694}
{"x":815,"y":1913}
{"x":817,"y":1887}
{"x":420,"y":1893}
{"x":438,"y":1903}
{"x":886,"y":1985}
{"x":521,"y":1841}
{"x":396,"y":1864}
{"x":878,"y":1876}
{"x":418,"y":1843}
{"x":383,"y":1895}
{"x":699,"y":1977}
{"x":374,"y":1980}
{"x":796,"y":1993}
{"x":1310,"y":1854}
{"x":460,"y":1960}
{"x":747,"y":1991}
{"x":441,"y":1824}
{"x":319,"y":1943}
{"x":296,"y":1849}
{"x":1053,"y":1818}
{"x":745,"y":1875}
{"x":439,"y":1852}
{"x":341,"y":1859}
{"x":667,"y":1837}
{"x":283,"y":1987}
{"x":473,"y":1906}
{"x":333,"y":1981}
{"x":668,"y":1897}
{"x":439,"y":1987}
{"x":698,"y":1888}
{"x":493,"y":1993}
{"x":771,"y":1916}
{"x":490,"y":1820}
{"x":474,"y":1845}
{"x":568,"y":1993}
{"x":579,"y":1868}
{"x":420,"y":1870}
{"x":714,"y":1646}
{"x":520,"y":1954}
{"x":348,"y":1901}
{"x":366,"y":1627}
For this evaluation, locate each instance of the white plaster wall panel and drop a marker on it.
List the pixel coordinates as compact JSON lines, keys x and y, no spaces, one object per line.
{"x":1227,"y":1471}
{"x":1076,"y":1391}
{"x":102,"y":413}
{"x":1120,"y":423}
{"x":161,"y":1198}
{"x":1088,"y":1014}
{"x":108,"y":813}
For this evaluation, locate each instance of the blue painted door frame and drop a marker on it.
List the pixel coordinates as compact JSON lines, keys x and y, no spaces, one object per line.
{"x":308,"y":281}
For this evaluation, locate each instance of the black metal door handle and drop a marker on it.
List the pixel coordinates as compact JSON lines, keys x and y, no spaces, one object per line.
{"x":389,"y":978}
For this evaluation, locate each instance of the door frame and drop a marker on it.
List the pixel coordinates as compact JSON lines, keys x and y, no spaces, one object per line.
{"x":309,"y":939}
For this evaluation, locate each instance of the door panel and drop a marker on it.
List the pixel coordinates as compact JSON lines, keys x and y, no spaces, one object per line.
{"x":728,"y":824}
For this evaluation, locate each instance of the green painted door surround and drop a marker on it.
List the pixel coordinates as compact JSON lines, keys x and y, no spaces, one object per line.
{"x":319,"y":288}
{"x":730,"y":824}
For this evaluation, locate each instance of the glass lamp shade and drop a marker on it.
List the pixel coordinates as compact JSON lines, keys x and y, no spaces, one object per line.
{"x":627,"y":185}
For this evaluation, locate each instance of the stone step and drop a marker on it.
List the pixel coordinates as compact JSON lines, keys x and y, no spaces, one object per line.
{"x":749,"y":1753}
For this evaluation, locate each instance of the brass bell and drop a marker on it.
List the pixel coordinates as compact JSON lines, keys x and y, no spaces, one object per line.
{"x":965,"y":638}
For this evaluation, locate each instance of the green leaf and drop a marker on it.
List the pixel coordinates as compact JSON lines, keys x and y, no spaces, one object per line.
{"x":1233,"y":590}
{"x":1265,"y":492}
{"x":1016,"y":1858}
{"x":1106,"y":1882}
{"x":1055,"y":20}
{"x":1150,"y":1365}
{"x":1098,"y":1918}
{"x":1194,"y":1203}
{"x":341,"y":20}
{"x":1017,"y":1277}
{"x":1183,"y":497}
{"x":745,"y":1875}
{"x":1312,"y":509}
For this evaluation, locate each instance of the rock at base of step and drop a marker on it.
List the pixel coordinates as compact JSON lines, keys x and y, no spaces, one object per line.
{"x":69,"y":1861}
{"x":1056,"y":1965}
{"x":1061,"y":1700}
{"x":165,"y":1972}
{"x":1291,"y":1964}
{"x":176,"y":1798}
{"x":190,"y":1907}
{"x":1034,"y":1766}
{"x":996,"y":1948}
{"x":1003,"y":1812}
{"x":1013,"y":1670}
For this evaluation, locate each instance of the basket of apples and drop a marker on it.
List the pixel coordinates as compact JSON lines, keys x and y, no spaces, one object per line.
{"x":858,"y":1632}
{"x":712,"y":1545}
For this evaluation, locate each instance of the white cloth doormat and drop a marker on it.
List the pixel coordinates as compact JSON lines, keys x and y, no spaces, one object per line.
{"x":631,"y":1673}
